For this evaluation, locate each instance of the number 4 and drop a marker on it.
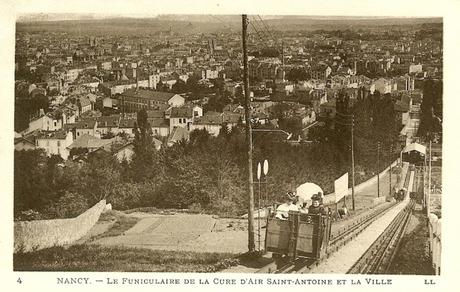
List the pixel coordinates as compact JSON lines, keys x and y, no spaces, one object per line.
{"x":19,"y":280}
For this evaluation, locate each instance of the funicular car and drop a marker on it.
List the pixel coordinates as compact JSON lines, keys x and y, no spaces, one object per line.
{"x":300,"y":236}
{"x":400,"y":195}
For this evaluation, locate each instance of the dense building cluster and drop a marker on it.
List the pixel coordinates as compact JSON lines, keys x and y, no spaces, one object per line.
{"x":75,"y":90}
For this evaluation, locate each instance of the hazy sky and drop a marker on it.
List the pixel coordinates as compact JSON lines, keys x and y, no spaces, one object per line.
{"x":27,"y":17}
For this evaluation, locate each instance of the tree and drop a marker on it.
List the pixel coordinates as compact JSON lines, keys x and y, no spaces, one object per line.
{"x":291,"y":125}
{"x":98,"y":177}
{"x":227,"y":192}
{"x":270,"y":52}
{"x":297,"y":74}
{"x":25,"y":108}
{"x":69,"y":205}
{"x":239,"y":96}
{"x":162,"y":86}
{"x":185,"y":181}
{"x":192,"y":84}
{"x":40,"y":101}
{"x":224,"y":131}
{"x":126,"y":196}
{"x":278,"y":110}
{"x":218,"y":101}
{"x":342,"y":125}
{"x":431,"y":109}
{"x":144,"y":159}
{"x":219,"y":84}
{"x":179,"y":87}
{"x":199,"y":137}
{"x":31,"y":188}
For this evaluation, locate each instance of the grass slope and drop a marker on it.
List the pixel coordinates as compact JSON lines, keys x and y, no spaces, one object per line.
{"x":95,"y":258}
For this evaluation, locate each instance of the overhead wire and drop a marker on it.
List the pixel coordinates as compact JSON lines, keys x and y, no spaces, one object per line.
{"x":257,"y":32}
{"x":268,"y":34}
{"x":267,"y":28}
{"x":260,"y":28}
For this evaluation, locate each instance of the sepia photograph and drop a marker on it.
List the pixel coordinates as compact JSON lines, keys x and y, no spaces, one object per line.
{"x":134,"y":136}
{"x":240,"y":143}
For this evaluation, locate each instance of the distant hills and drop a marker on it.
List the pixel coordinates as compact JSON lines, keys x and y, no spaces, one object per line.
{"x":200,"y":23}
{"x":43,"y":17}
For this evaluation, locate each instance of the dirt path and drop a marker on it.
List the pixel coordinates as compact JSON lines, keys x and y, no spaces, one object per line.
{"x":187,"y":232}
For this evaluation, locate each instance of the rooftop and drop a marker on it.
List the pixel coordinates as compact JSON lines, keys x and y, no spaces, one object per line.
{"x":149,"y":94}
{"x":88,"y":141}
{"x":108,"y":121}
{"x":85,"y":124}
{"x":52,"y":135}
{"x":181,"y":112}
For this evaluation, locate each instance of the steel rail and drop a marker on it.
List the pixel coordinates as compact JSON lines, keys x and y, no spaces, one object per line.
{"x":379,"y":255}
{"x":337,"y":241}
{"x":345,"y":235}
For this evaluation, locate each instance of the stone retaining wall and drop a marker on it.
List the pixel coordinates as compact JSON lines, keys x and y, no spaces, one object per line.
{"x":434,"y":227}
{"x":39,"y":234}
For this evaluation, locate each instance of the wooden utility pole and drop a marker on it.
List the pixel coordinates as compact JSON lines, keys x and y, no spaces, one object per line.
{"x":247,"y":113}
{"x":352,"y":165}
{"x":378,"y":169}
{"x":389,"y":191}
{"x":428,"y":207}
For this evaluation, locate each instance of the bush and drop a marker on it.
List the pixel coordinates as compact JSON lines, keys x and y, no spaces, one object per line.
{"x":125,"y":196}
{"x":195,"y":208}
{"x":30,"y":215}
{"x":68,"y":206}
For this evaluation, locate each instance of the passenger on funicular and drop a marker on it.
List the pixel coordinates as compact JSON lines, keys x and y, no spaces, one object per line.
{"x":316,"y":205}
{"x":282,"y":212}
{"x":304,"y":208}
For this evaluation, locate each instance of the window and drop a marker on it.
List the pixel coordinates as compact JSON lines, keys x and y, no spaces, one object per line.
{"x":59,"y":143}
{"x":55,"y":123}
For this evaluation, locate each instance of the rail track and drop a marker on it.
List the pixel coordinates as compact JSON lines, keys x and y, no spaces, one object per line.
{"x":377,"y":259}
{"x":383,"y":249}
{"x":337,"y":240}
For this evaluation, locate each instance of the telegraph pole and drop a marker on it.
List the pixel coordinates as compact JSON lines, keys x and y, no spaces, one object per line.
{"x":428,"y":207}
{"x":352,"y":165}
{"x":352,"y":116}
{"x":389,"y":191}
{"x":247,"y":113}
{"x":378,"y":169}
